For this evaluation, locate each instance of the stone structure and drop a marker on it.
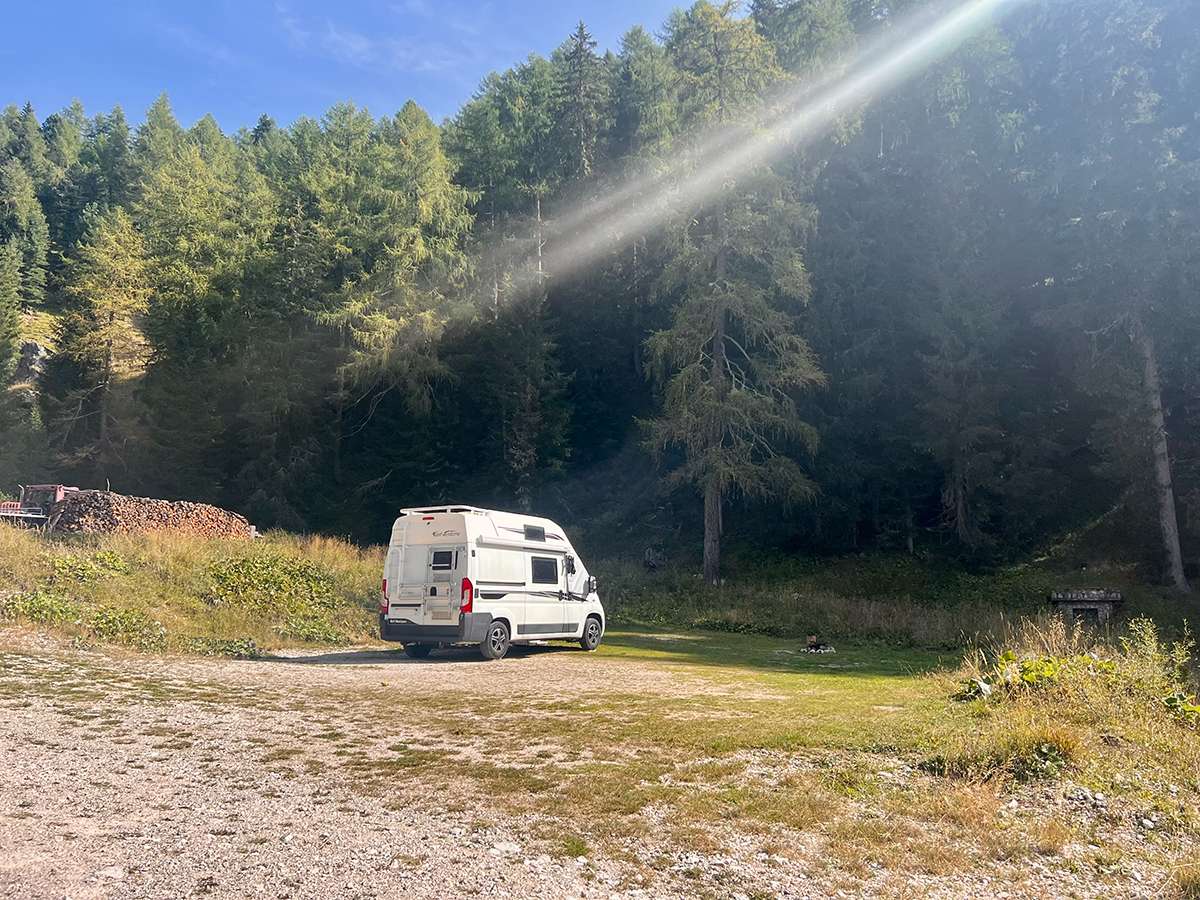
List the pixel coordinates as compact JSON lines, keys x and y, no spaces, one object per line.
{"x":1092,"y":605}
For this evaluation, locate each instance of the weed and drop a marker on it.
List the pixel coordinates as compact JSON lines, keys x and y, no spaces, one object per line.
{"x":43,"y":607}
{"x":127,"y":626}
{"x":573,"y":846}
{"x":1185,"y":880}
{"x":236,"y":648}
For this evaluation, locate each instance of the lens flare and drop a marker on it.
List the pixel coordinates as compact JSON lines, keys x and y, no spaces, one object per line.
{"x":584,"y":235}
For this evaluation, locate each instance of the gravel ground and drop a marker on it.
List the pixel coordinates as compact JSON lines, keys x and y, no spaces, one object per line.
{"x":127,"y":776}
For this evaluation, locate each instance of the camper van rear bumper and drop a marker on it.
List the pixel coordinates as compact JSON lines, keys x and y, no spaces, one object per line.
{"x":471,"y":629}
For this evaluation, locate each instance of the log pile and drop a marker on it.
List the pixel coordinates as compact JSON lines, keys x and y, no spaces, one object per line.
{"x":103,"y":512}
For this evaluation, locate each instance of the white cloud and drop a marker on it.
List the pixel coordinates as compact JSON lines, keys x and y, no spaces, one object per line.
{"x":460,"y":45}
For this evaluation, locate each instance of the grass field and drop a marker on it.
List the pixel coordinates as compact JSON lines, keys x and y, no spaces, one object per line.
{"x":702,"y":724}
{"x":665,"y":751}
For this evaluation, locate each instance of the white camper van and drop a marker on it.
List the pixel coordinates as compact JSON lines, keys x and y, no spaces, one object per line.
{"x":461,"y":575}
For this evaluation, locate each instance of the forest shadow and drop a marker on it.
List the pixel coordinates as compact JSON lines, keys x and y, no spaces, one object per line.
{"x":718,"y":650}
{"x":374,"y":656}
{"x":727,"y":650}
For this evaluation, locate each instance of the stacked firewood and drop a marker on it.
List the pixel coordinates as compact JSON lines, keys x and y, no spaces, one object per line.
{"x":103,"y":512}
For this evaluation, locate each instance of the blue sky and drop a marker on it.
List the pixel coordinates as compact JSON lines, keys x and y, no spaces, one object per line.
{"x":284,"y":57}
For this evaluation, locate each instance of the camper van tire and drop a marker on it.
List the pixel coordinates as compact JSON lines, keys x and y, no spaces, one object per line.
{"x":591,"y":634}
{"x":495,"y":642}
{"x":417,"y":651}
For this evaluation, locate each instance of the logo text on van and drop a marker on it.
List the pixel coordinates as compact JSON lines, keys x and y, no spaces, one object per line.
{"x":447,"y":533}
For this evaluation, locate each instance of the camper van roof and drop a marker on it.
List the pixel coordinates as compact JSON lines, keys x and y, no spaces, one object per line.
{"x":442,"y":509}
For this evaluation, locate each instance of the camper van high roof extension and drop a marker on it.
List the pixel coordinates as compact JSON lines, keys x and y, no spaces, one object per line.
{"x":464,"y":575}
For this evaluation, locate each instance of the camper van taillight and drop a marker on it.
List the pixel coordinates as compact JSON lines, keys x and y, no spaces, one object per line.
{"x":383,"y":600}
{"x":468,"y":595}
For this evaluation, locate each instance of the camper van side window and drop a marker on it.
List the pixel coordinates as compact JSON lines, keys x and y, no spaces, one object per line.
{"x":535,"y":533}
{"x":443,"y":560}
{"x":545,"y":571}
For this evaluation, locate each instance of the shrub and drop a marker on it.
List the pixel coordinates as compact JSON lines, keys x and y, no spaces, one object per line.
{"x":1143,"y":668}
{"x":43,"y":607}
{"x":76,"y":569}
{"x":237,"y":648}
{"x":271,"y":582}
{"x":127,"y":626}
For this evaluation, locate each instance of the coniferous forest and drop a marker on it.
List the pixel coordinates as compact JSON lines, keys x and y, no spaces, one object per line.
{"x":963,"y":320}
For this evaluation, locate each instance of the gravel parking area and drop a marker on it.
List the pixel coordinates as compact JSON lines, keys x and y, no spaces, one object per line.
{"x":136,"y":776}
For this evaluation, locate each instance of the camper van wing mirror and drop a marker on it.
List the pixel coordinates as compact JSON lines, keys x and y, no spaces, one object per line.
{"x":591,"y":584}
{"x":569,"y":565}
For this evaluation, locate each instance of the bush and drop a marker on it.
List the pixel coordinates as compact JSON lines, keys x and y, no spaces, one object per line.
{"x":1143,"y":668}
{"x":299,"y":593}
{"x":43,"y":607}
{"x":127,"y":626}
{"x":237,"y":648}
{"x":272,"y":582}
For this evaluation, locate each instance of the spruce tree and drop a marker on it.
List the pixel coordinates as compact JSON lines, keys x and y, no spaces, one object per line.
{"x":10,"y":311}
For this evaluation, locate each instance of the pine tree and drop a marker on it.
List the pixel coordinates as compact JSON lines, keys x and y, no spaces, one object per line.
{"x":159,"y":138}
{"x":731,"y":362}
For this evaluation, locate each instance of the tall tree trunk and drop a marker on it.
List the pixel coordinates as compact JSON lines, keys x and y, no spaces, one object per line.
{"x":540,"y":242}
{"x":714,"y":493}
{"x":1162,"y":460}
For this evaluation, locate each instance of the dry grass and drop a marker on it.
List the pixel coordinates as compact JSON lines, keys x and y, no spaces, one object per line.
{"x":155,"y":591}
{"x":1185,"y":880}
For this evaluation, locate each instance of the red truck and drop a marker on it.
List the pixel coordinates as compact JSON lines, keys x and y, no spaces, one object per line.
{"x":36,"y":504}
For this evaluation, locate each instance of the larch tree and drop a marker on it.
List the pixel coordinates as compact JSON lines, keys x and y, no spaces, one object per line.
{"x":732,"y":361}
{"x":111,"y":285}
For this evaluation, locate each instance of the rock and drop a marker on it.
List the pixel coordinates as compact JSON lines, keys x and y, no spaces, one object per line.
{"x":116,"y":873}
{"x":506,"y":847}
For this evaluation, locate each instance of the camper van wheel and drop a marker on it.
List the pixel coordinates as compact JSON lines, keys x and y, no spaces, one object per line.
{"x":416,"y":651}
{"x":495,"y":642}
{"x":591,"y":634}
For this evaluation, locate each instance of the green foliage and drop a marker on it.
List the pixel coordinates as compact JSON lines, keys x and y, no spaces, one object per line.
{"x":317,"y":322}
{"x":270,"y":581}
{"x":235,"y":648}
{"x":127,"y":626}
{"x":43,"y":607}
{"x":165,"y":591}
{"x":297,"y":592}
{"x":74,"y":568}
